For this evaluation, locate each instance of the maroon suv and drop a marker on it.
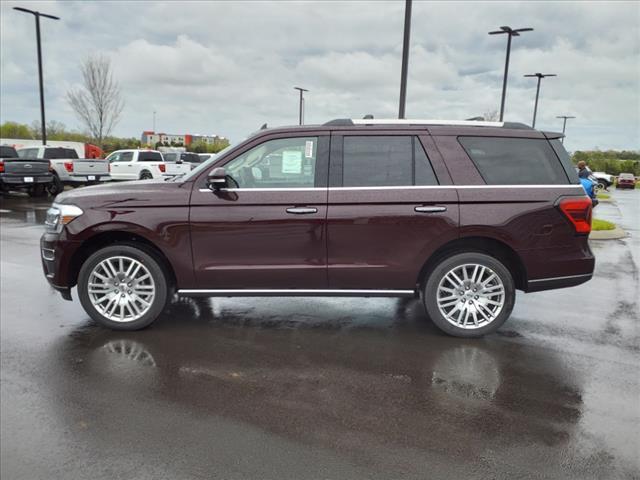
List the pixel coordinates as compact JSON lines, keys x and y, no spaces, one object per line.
{"x":459,"y":213}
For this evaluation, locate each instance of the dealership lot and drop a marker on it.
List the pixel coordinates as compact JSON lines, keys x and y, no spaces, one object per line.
{"x":321,"y":388}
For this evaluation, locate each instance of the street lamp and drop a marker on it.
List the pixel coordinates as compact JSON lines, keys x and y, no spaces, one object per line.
{"x":540,"y":76}
{"x":510,"y":33}
{"x":405,"y":58}
{"x":37,"y":15}
{"x":301,"y":101}
{"x":564,"y":124}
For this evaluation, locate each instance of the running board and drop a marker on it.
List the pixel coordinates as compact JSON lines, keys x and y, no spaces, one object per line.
{"x":296,"y":292}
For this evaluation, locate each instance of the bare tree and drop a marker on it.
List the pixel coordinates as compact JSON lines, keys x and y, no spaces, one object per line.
{"x":98,"y":103}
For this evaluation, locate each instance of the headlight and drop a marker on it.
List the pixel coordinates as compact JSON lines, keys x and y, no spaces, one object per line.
{"x":59,"y":215}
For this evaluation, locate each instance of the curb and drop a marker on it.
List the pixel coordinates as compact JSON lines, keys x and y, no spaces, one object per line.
{"x":614,"y":234}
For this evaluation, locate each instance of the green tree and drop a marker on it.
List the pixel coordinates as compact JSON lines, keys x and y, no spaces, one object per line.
{"x":15,"y":130}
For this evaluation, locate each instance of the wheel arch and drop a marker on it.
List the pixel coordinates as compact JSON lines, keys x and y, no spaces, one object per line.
{"x":105,"y":239}
{"x":486,"y":245}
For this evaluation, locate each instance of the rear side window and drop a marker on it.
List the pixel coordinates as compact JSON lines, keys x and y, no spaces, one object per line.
{"x":149,"y":157}
{"x":54,"y":153}
{"x":514,"y":161}
{"x":385,"y":161}
{"x":569,"y":169}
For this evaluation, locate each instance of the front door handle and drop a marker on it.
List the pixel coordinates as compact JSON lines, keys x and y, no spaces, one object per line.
{"x":302,"y":210}
{"x":432,"y":209}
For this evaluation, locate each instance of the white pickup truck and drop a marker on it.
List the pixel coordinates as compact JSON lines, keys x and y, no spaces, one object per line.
{"x":143,"y":165}
{"x":68,"y":169}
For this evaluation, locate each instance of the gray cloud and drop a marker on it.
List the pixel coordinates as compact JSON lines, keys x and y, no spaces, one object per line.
{"x":228,"y":67}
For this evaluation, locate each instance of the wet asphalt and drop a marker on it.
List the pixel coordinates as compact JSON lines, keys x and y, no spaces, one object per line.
{"x":309,"y":388}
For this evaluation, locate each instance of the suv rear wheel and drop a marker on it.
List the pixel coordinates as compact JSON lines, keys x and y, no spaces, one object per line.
{"x":122,"y":287}
{"x":469,"y":294}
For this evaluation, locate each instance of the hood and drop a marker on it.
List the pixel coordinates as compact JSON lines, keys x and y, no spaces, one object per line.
{"x":143,"y":193}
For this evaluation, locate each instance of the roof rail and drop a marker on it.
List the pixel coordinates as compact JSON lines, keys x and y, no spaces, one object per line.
{"x":348,"y":122}
{"x":402,"y":121}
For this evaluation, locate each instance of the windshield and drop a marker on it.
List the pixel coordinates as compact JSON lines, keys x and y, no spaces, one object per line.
{"x":204,"y":165}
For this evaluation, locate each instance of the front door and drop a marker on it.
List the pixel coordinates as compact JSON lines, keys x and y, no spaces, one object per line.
{"x":267,"y":229}
{"x":390,"y":206}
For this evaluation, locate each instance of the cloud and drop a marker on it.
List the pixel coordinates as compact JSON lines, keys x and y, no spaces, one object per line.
{"x":228,"y":67}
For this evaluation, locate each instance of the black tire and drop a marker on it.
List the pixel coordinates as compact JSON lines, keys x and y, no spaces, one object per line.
{"x":145,"y":175}
{"x":55,"y":187}
{"x":153,"y":265}
{"x":37,"y":190}
{"x":432,"y":283}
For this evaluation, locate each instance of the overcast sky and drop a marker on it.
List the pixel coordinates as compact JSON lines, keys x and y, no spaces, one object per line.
{"x":228,"y":67}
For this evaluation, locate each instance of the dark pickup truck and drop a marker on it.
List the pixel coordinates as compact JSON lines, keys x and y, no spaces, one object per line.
{"x":32,"y":175}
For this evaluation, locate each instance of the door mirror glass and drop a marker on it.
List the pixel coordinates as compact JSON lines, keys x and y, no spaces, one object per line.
{"x":217,"y":179}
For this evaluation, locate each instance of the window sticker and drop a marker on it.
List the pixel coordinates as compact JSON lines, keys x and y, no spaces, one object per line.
{"x":308,"y":149}
{"x":291,"y":161}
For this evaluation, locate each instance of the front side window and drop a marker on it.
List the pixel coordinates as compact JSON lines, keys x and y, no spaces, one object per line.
{"x":281,"y":163}
{"x":514,"y":161}
{"x":385,"y":161}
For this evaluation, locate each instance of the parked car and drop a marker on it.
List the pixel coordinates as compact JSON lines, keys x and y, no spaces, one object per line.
{"x":460,"y":214}
{"x":142,"y":165}
{"x":16,"y":174}
{"x":626,"y":180}
{"x":603,"y":180}
{"x":191,"y":159}
{"x":83,"y":150}
{"x":68,"y":169}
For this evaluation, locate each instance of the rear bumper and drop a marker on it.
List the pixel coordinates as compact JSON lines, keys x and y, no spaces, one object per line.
{"x":18,"y":180}
{"x":558,"y":282}
{"x":558,"y":267}
{"x":77,"y":179}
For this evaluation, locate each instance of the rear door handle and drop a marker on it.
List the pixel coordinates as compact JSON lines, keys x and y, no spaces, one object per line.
{"x":432,"y":209}
{"x":302,"y":210}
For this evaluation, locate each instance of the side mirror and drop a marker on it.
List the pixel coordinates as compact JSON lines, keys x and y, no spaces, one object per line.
{"x":217,"y":179}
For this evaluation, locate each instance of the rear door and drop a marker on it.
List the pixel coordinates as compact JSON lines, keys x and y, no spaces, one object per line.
{"x":390,"y":205}
{"x":267,"y":230}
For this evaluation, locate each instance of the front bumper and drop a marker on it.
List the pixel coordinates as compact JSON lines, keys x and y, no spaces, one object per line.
{"x":56,"y":253}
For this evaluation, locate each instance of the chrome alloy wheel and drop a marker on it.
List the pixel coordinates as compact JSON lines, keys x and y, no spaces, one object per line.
{"x":470,"y":296}
{"x":121,"y":289}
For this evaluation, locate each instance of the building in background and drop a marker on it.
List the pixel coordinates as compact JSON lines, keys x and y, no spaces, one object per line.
{"x":152,"y":138}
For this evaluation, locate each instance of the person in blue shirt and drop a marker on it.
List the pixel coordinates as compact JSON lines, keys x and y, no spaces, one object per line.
{"x":588,"y":188}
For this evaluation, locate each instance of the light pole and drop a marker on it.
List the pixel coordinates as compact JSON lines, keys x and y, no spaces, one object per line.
{"x":510,"y":33}
{"x":154,"y":121}
{"x":564,"y":124}
{"x":302,"y":90}
{"x":37,"y":15}
{"x":405,"y":58}
{"x":540,"y":76}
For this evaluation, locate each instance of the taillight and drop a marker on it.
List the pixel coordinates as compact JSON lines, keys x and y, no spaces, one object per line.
{"x":162,"y":167}
{"x":578,"y":212}
{"x":68,"y":166}
{"x":1,"y":166}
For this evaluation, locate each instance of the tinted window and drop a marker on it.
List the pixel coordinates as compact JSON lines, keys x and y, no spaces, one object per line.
{"x":54,"y":153}
{"x":126,"y":157}
{"x":514,"y":161}
{"x":281,"y":163}
{"x":149,"y":157}
{"x":382,"y":161}
{"x":8,"y":152}
{"x":569,"y":169}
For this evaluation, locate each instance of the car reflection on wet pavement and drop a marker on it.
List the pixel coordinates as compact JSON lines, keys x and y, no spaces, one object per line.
{"x":320,"y":388}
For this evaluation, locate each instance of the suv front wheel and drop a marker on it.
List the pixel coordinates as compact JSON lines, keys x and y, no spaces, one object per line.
{"x":469,"y":294}
{"x":122,"y":287}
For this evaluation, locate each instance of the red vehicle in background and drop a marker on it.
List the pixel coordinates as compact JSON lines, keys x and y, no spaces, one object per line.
{"x":626,"y":180}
